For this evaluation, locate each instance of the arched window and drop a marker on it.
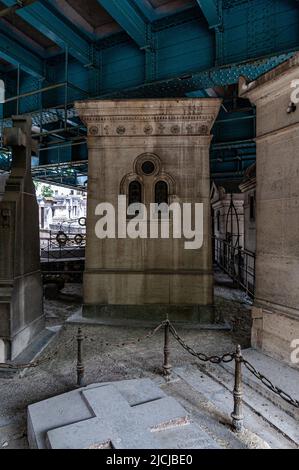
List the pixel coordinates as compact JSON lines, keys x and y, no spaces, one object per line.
{"x":161,"y":192}
{"x":135,"y":192}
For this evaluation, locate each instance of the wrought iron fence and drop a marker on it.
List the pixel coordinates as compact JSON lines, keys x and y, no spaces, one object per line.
{"x":239,"y":264}
{"x":62,"y":246}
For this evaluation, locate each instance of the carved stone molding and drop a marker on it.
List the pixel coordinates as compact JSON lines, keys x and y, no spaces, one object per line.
{"x":149,"y":118}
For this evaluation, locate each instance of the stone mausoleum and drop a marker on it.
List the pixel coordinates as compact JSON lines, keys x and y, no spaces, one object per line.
{"x":152,"y":151}
{"x":166,"y":315}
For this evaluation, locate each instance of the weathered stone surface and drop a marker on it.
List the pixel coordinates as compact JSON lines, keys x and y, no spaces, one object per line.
{"x":276,"y":320}
{"x":3,"y":178}
{"x":21,"y":302}
{"x":174,"y":134}
{"x":122,"y":415}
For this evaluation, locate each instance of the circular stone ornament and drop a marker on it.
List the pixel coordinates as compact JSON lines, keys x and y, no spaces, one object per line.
{"x":121,"y":130}
{"x":93,"y":130}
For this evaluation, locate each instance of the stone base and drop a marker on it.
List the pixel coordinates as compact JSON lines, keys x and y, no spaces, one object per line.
{"x":27,"y":336}
{"x":15,"y":345}
{"x":179,"y":313}
{"x":21,"y":314}
{"x":273,"y":332}
{"x":31,"y":352}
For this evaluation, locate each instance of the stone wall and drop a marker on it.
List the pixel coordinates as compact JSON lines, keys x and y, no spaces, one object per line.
{"x":276,"y":311}
{"x":3,"y":178}
{"x":147,"y":277}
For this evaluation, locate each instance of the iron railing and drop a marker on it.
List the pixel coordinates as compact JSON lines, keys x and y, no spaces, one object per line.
{"x":62,"y":246}
{"x":239,"y":264}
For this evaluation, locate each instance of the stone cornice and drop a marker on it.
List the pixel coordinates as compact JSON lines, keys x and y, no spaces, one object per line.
{"x":149,"y":117}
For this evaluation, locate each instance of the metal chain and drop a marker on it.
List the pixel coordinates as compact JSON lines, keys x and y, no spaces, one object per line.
{"x":132,"y":341}
{"x":225,"y":358}
{"x":229,"y":358}
{"x":285,"y":396}
{"x":39,"y":362}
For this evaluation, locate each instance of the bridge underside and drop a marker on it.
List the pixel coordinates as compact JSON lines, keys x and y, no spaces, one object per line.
{"x":53,"y":53}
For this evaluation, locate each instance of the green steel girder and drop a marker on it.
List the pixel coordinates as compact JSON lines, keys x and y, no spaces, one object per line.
{"x":13,"y":52}
{"x":41,"y":17}
{"x":210,"y":11}
{"x":129,"y":19}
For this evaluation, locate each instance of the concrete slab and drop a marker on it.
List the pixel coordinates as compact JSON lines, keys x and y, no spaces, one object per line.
{"x":121,"y":415}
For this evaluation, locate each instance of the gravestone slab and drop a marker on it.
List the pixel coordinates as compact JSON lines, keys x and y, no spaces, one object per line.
{"x":134,"y":414}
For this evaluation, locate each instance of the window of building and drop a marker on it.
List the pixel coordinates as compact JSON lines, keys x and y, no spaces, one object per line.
{"x":161,"y":192}
{"x":218,"y":221}
{"x":148,"y":168}
{"x":135,"y":192}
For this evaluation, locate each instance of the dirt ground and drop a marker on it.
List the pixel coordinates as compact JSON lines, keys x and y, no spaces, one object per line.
{"x":104,"y":361}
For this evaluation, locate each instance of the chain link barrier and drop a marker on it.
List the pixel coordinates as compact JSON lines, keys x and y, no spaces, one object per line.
{"x":132,"y":341}
{"x":37,"y":363}
{"x":213,"y":359}
{"x":267,"y":383}
{"x":225,"y":358}
{"x":229,"y":357}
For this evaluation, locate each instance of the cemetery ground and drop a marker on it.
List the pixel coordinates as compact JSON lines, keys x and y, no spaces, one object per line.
{"x":203,"y":390}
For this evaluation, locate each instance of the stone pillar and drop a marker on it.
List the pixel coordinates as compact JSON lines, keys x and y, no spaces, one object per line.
{"x":276,"y":307}
{"x":145,"y":278}
{"x":21,"y":293}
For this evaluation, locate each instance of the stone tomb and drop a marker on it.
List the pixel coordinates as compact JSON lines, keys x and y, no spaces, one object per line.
{"x":276,"y":306}
{"x":133,"y":414}
{"x":21,"y":290}
{"x":151,"y":151}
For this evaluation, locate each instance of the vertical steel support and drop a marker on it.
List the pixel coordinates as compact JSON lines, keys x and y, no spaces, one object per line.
{"x":18,"y":89}
{"x":80,"y":365}
{"x":66,"y":86}
{"x":237,"y":415}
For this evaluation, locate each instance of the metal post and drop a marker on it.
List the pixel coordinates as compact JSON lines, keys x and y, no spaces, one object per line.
{"x":80,"y":365}
{"x":237,"y":414}
{"x":18,"y":89}
{"x":166,"y":365}
{"x":66,"y":86}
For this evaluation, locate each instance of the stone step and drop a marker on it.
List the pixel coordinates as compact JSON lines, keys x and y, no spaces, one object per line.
{"x":265,"y":425}
{"x":280,"y":374}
